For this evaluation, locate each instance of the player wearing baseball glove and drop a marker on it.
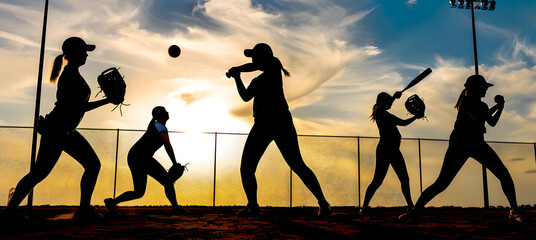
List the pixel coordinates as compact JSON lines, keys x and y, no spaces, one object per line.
{"x":388,"y":149}
{"x":142,"y":163}
{"x":58,"y":131}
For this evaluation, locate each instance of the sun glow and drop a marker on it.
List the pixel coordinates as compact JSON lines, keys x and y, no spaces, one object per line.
{"x":208,"y":115}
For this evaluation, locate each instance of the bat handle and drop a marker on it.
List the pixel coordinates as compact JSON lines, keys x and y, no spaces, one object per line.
{"x":398,"y":94}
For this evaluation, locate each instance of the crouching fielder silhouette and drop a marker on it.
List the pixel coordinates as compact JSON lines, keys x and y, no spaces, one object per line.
{"x":141,"y":163}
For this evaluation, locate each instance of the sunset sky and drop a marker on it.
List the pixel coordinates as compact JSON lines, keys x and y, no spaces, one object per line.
{"x":340,"y":54}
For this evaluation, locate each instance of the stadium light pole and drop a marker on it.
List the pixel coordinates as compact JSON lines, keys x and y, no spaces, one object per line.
{"x":483,"y":5}
{"x":38,"y":98}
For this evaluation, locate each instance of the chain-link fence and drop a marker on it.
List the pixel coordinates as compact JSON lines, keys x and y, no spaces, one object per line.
{"x":344,"y":166}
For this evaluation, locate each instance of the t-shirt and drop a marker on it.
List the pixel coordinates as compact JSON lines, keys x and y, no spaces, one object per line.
{"x":72,"y":97}
{"x":471,"y":117}
{"x":386,"y":123}
{"x":160,"y":127}
{"x":269,"y":98}
{"x":151,"y":140}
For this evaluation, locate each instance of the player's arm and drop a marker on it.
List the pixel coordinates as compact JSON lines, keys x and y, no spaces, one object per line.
{"x":496,"y":111}
{"x":403,"y":122}
{"x":92,"y":105}
{"x":248,"y":67}
{"x":72,"y":98}
{"x":168,"y":147}
{"x":245,"y":93}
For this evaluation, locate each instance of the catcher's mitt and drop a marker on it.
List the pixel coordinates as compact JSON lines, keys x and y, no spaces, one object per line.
{"x":415,"y":106}
{"x":176,"y":171}
{"x":113,"y":85}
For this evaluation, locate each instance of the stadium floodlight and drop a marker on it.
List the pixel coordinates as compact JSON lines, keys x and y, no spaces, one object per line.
{"x":484,"y":4}
{"x":469,"y":4}
{"x":492,"y":5}
{"x":460,"y":3}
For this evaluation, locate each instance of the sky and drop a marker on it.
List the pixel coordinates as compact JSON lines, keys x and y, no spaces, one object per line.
{"x":340,"y":54}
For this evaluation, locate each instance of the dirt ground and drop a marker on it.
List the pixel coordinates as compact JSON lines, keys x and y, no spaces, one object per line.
{"x":274,"y":223}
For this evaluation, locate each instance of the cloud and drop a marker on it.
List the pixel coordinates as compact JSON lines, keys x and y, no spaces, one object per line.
{"x":524,"y":46}
{"x":334,"y":79}
{"x":532,"y":112}
{"x":372,"y":50}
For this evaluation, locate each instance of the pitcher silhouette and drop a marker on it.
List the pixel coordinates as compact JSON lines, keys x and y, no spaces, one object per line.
{"x":467,"y":140}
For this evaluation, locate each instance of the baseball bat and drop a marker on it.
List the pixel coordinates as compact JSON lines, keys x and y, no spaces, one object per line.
{"x":418,"y":79}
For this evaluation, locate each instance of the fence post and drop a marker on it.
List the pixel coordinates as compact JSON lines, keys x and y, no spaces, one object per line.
{"x":116,"y":157}
{"x":215,"y":155}
{"x":290,"y":188}
{"x":358,"y":173}
{"x":420,"y":164}
{"x":485,"y":183}
{"x":38,"y":101}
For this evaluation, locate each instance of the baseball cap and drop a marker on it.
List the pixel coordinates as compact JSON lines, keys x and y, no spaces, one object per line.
{"x":74,"y":44}
{"x":260,"y":49}
{"x":477,"y":81}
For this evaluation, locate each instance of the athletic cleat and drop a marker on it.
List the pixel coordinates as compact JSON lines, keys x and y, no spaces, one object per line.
{"x":110,"y":205}
{"x":410,"y":214}
{"x":516,"y":215}
{"x":87,"y":215}
{"x":250,"y":210}
{"x":179,"y":210}
{"x":364,"y":211}
{"x":11,"y":218}
{"x":324,"y":209}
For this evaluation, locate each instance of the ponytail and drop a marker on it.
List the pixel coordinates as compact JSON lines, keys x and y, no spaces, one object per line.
{"x":285,"y":71}
{"x":280,"y":65}
{"x":460,"y":98}
{"x":56,"y":68}
{"x":151,"y":123}
{"x":374,"y":110}
{"x":382,"y":100}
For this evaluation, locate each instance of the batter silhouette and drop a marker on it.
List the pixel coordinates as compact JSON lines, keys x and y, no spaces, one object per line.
{"x":388,"y":149}
{"x":273,"y":122}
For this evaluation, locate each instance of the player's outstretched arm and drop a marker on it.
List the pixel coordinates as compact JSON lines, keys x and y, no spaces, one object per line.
{"x":96,"y":104}
{"x":168,"y":147}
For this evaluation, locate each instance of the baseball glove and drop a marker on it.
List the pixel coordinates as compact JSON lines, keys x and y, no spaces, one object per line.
{"x":113,"y":86}
{"x":415,"y":106}
{"x":176,"y":171}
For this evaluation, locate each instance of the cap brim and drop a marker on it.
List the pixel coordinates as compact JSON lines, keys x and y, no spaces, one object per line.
{"x":490,"y":84}
{"x":248,"y":52}
{"x":90,"y":47}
